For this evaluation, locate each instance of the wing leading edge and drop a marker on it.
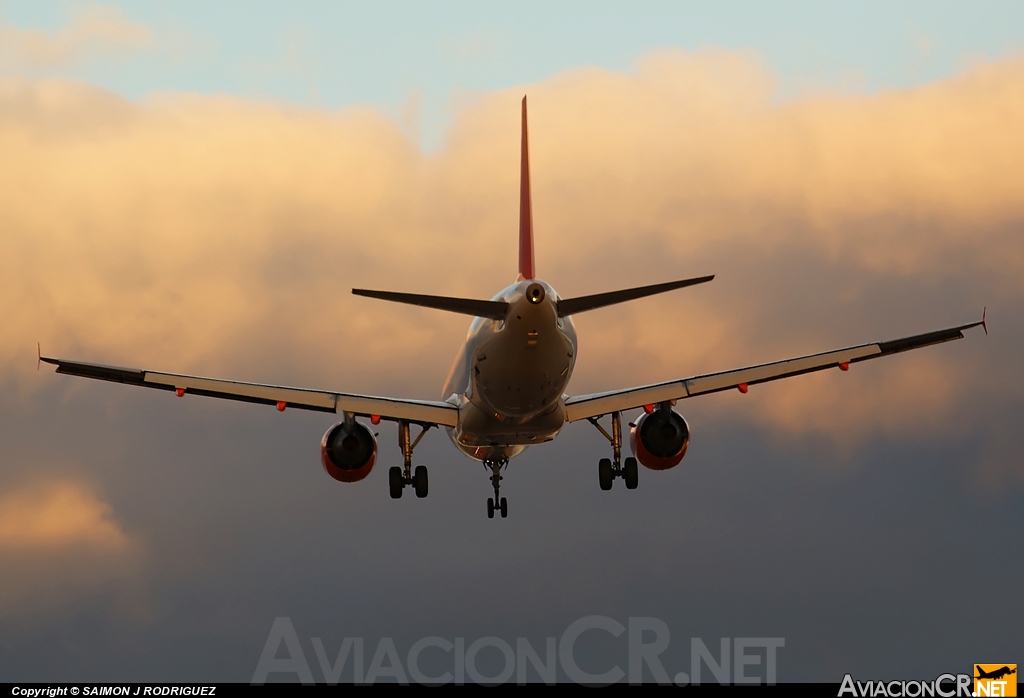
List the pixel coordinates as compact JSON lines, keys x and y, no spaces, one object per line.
{"x":418,"y":411}
{"x":598,"y":404}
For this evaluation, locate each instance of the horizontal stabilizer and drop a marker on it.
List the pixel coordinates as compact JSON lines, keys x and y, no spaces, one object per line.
{"x":495,"y":310}
{"x":571,"y":306}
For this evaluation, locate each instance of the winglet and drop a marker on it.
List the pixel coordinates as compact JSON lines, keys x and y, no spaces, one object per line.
{"x":39,"y":356}
{"x":526,"y":269}
{"x":984,"y":325}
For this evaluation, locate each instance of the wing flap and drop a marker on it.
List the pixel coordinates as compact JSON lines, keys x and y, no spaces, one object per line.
{"x":420,"y":411}
{"x":726,"y":380}
{"x":248,"y":392}
{"x":586,"y":406}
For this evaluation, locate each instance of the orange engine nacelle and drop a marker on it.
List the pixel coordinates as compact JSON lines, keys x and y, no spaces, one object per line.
{"x":659,"y":439}
{"x":348,"y":452}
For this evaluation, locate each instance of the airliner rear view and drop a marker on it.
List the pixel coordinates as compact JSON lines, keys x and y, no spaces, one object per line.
{"x":507,"y":387}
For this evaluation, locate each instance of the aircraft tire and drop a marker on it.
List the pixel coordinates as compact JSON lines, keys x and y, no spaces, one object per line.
{"x":504,"y":508}
{"x":490,"y":508}
{"x":395,"y":484}
{"x":419,"y":480}
{"x":630,"y":474}
{"x":604,"y":473}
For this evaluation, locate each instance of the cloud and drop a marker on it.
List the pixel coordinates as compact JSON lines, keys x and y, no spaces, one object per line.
{"x":479,"y":46}
{"x":58,"y":540}
{"x":94,"y":30}
{"x":221,"y":236}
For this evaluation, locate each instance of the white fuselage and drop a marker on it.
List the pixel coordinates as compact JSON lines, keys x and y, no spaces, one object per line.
{"x":509,"y":379}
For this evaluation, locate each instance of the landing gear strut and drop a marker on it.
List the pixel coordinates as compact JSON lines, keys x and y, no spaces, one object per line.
{"x":498,"y":503}
{"x":398,"y":478}
{"x":609,"y":469}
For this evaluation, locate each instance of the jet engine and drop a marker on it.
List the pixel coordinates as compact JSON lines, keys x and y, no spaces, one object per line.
{"x":659,"y":439}
{"x":348,"y":451}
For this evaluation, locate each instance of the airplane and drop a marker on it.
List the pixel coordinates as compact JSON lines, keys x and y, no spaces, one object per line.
{"x":995,"y":674}
{"x":506,"y":389}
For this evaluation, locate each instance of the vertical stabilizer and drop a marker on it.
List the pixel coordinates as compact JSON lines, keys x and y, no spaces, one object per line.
{"x":525,"y":209}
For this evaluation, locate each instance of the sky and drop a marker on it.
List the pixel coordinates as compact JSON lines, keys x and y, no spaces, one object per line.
{"x":195,"y":189}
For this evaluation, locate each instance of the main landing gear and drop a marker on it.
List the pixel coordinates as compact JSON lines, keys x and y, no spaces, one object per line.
{"x":609,"y":469}
{"x":398,"y":478}
{"x":496,"y":504}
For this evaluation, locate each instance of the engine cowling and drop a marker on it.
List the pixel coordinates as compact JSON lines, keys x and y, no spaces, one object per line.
{"x":659,"y":439}
{"x":348,"y":452}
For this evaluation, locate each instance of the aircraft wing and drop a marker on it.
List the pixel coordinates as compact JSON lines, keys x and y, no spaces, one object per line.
{"x":598,"y":404}
{"x":418,"y":411}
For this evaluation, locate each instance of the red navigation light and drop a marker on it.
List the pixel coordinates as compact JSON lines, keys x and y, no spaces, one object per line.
{"x":649,"y":409}
{"x":742,"y":387}
{"x":844,"y":365}
{"x":281,"y":405}
{"x":374,"y":419}
{"x":179,"y":391}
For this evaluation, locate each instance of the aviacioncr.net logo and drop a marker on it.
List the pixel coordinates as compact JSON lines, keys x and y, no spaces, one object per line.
{"x":945,"y":686}
{"x":995,"y":680}
{"x":437,"y":660}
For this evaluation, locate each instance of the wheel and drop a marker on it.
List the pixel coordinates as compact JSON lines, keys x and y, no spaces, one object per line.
{"x":419,"y":481}
{"x":604,"y":473}
{"x":396,"y":482}
{"x":629,"y":474}
{"x":490,"y":508}
{"x":504,"y":508}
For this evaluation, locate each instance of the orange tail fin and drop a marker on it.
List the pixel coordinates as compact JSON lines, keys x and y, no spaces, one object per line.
{"x":526,"y":269}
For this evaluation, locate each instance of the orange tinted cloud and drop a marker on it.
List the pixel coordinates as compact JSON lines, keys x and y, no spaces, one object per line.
{"x":93,"y":30}
{"x":58,"y":540}
{"x":57,"y":515}
{"x":221,"y":235}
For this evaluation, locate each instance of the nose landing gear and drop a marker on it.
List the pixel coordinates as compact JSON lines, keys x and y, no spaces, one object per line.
{"x":497,"y":503}
{"x":398,"y":478}
{"x":609,"y":469}
{"x":502,"y":507}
